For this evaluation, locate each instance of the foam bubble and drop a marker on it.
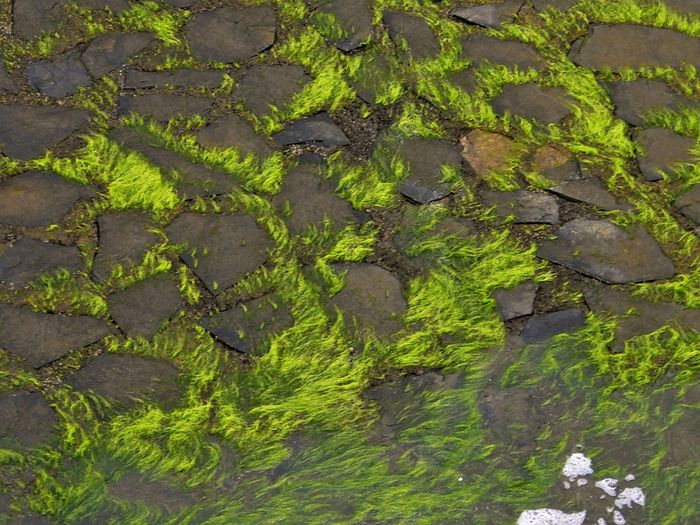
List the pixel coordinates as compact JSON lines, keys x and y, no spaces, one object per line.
{"x":577,"y":465}
{"x":629,"y":496}
{"x":607,"y":485}
{"x":550,"y":517}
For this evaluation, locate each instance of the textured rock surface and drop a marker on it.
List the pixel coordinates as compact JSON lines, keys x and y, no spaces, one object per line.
{"x":516,"y":302}
{"x":181,"y":78}
{"x":354,"y":18}
{"x":109,"y":52}
{"x":164,"y":106}
{"x":485,"y":152}
{"x":635,"y":98}
{"x":266,"y":85}
{"x":28,"y":258}
{"x":525,"y":207}
{"x":662,"y":150}
{"x":425,"y":160}
{"x":59,"y":77}
{"x":319,"y":129}
{"x":412,"y":35}
{"x":555,"y":163}
{"x":542,"y":327}
{"x":489,"y":15}
{"x":689,"y":204}
{"x":233,"y":131}
{"x":26,"y":419}
{"x":592,"y":192}
{"x":512,"y":53}
{"x":546,"y":105}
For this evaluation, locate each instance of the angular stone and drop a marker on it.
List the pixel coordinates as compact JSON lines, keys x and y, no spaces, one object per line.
{"x":516,"y":302}
{"x":464,"y":79}
{"x":233,"y":131}
{"x":373,"y":297}
{"x":489,"y":15}
{"x":26,"y":419}
{"x":164,"y":106}
{"x":561,"y":5}
{"x":127,"y":379}
{"x":600,"y":249}
{"x":231,"y":34}
{"x":373,"y":73}
{"x":621,"y":46}
{"x":516,"y":416}
{"x":547,"y":105}
{"x":179,"y":78}
{"x":37,"y":199}
{"x":424,"y":160}
{"x":116,"y":6}
{"x":7,"y":83}
{"x":318,"y":129}
{"x":412,"y":32}
{"x":662,"y":150}
{"x":634,"y":98}
{"x":689,"y":204}
{"x":109,"y":52}
{"x":42,"y":338}
{"x":59,"y":77}
{"x":33,"y":17}
{"x":527,"y":207}
{"x":248,"y":325}
{"x":486,"y":152}
{"x":590,"y":191}
{"x":270,"y":85}
{"x":226,"y":246}
{"x":542,"y":327}
{"x":684,"y":6}
{"x":511,"y":53}
{"x":28,"y":258}
{"x":26,"y":132}
{"x":556,"y":163}
{"x":355,"y":18}
{"x":138,"y":490}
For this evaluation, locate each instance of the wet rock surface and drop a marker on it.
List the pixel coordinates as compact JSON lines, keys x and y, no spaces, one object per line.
{"x":542,"y":327}
{"x":179,"y":78}
{"x":26,"y":419}
{"x":233,"y":132}
{"x":489,"y":15}
{"x":512,"y":53}
{"x":354,"y":18}
{"x":164,"y":106}
{"x":412,"y":35}
{"x":556,"y":164}
{"x":265,"y":85}
{"x":485,"y":152}
{"x":28,"y":258}
{"x":522,"y":206}
{"x":662,"y":150}
{"x":689,"y":204}
{"x":59,"y":77}
{"x":109,"y":52}
{"x":590,"y":191}
{"x":633,"y":99}
{"x":425,"y":160}
{"x":318,"y":129}
{"x":546,"y":105}
{"x":516,"y":302}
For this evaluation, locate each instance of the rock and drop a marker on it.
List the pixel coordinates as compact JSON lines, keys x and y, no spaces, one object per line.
{"x":542,"y":327}
{"x":621,"y":46}
{"x":265,"y":85}
{"x":486,"y":152}
{"x":127,"y":379}
{"x":527,"y":207}
{"x":515,"y":416}
{"x":124,"y":239}
{"x":590,"y":191}
{"x":634,"y":98}
{"x":164,"y":106}
{"x":26,"y":419}
{"x":31,"y":18}
{"x":7,"y":83}
{"x":28,"y":258}
{"x":226,"y":246}
{"x":373,"y":74}
{"x":424,"y":160}
{"x":248,"y":325}
{"x":233,"y":131}
{"x":231,"y":34}
{"x":43,"y":338}
{"x":59,"y":77}
{"x":109,"y":52}
{"x":556,"y":163}
{"x":115,"y":6}
{"x":684,"y":6}
{"x":179,"y":78}
{"x":182,"y":4}
{"x":489,"y":15}
{"x":373,"y":297}
{"x":602,"y":250}
{"x":547,"y":105}
{"x":26,"y":132}
{"x":318,"y":129}
{"x":689,"y":204}
{"x":137,"y":490}
{"x":411,"y":35}
{"x":561,"y":5}
{"x":464,"y":80}
{"x":511,"y":53}
{"x":140,"y":310}
{"x":662,"y":150}
{"x":38,"y":199}
{"x":516,"y":302}
{"x":355,"y":19}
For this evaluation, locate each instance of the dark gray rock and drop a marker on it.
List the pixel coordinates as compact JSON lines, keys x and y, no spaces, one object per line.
{"x":7,"y":83}
{"x":516,"y":416}
{"x":412,"y":35}
{"x":526,"y":207}
{"x":621,"y":46}
{"x":26,"y":132}
{"x":542,"y":327}
{"x":561,"y":5}
{"x":516,"y":302}
{"x":164,"y":106}
{"x":634,"y":98}
{"x":109,"y":52}
{"x":233,"y":131}
{"x":248,"y":325}
{"x":37,"y":199}
{"x":684,"y":6}
{"x":662,"y":150}
{"x":464,"y":79}
{"x":424,"y":160}
{"x":689,"y":204}
{"x":115,"y":6}
{"x":43,"y":338}
{"x":31,"y":18}
{"x":590,"y":191}
{"x":270,"y":85}
{"x":546,"y":105}
{"x":373,"y":297}
{"x":556,"y":163}
{"x":222,"y":249}
{"x":608,"y":252}
{"x":135,"y":489}
{"x":179,"y":78}
{"x":373,"y":73}
{"x":511,"y":53}
{"x":26,"y":419}
{"x":59,"y":77}
{"x":318,"y":129}
{"x":231,"y":34}
{"x":28,"y":258}
{"x":489,"y":15}
{"x":355,"y":19}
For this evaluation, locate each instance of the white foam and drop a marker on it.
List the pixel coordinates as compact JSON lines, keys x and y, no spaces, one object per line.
{"x":630,"y":477}
{"x":581,"y":482}
{"x":601,"y":521}
{"x":567,"y":485}
{"x":577,"y":465}
{"x":618,"y":518}
{"x":550,"y":517}
{"x":629,"y":496}
{"x":607,"y":485}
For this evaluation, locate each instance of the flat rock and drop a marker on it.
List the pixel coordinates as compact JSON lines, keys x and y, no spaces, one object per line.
{"x":28,"y":258}
{"x":424,"y":160}
{"x":33,"y":17}
{"x":233,"y":131}
{"x":556,"y":163}
{"x":7,"y":83}
{"x":58,"y":77}
{"x":373,"y":73}
{"x":248,"y":325}
{"x":621,"y":46}
{"x":684,"y":6}
{"x":485,"y":152}
{"x":164,"y":106}
{"x":412,"y":35}
{"x":318,"y":129}
{"x":115,"y":6}
{"x":542,"y":327}
{"x":661,"y":150}
{"x":511,"y":53}
{"x":42,"y":338}
{"x":141,"y":310}
{"x":600,"y":249}
{"x":26,"y":132}
{"x":489,"y":15}
{"x":689,"y":204}
{"x":516,"y":416}
{"x":265,"y":86}
{"x":590,"y":191}
{"x":226,"y":246}
{"x":109,"y":52}
{"x":633,"y":98}
{"x":37,"y":199}
{"x":26,"y":419}
{"x":525,"y":207}
{"x":464,"y":79}
{"x":546,"y":105}
{"x":354,"y":18}
{"x":231,"y":34}
{"x":561,"y":5}
{"x":373,"y":297}
{"x":127,"y":379}
{"x":135,"y":489}
{"x":516,"y":302}
{"x":179,"y":78}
